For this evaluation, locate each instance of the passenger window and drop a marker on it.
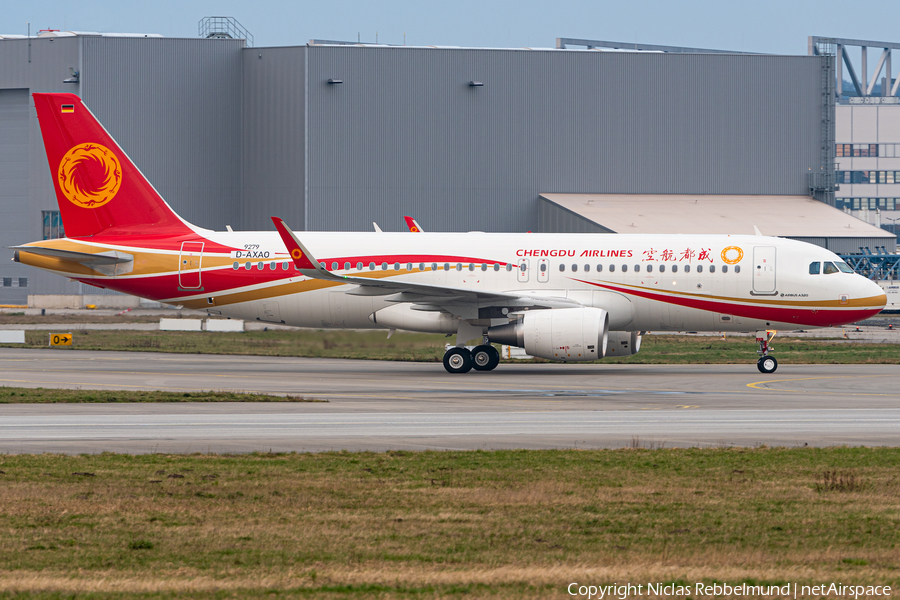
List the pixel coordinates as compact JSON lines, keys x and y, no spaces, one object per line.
{"x":261,"y":266}
{"x":674,"y":268}
{"x":384,"y":266}
{"x":662,"y":268}
{"x":687,"y":268}
{"x":421,"y":266}
{"x":509,"y":267}
{"x":562,"y":268}
{"x":446,"y":266}
{"x":637,"y":268}
{"x":272,"y":265}
{"x":724,"y":268}
{"x":346,"y":266}
{"x":543,"y":267}
{"x":814,"y":268}
{"x":496,"y":266}
{"x":434,"y":267}
{"x":574,"y":268}
{"x":830,"y":268}
{"x":396,"y":266}
{"x":844,"y":267}
{"x":409,"y":266}
{"x":624,"y":268}
{"x":284,"y":266}
{"x":334,"y":266}
{"x":371,"y":266}
{"x":712,"y":268}
{"x":471,"y":266}
{"x":247,"y":266}
{"x":699,"y":268}
{"x":649,"y":268}
{"x":236,"y":266}
{"x":459,"y":266}
{"x":587,"y":268}
{"x":612,"y":268}
{"x":737,"y":268}
{"x":599,"y":268}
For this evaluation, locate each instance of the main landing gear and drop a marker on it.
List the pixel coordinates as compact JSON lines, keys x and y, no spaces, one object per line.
{"x":766,"y":363}
{"x":481,"y":358}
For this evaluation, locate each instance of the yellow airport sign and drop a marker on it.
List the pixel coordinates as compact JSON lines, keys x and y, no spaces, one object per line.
{"x":60,"y":339}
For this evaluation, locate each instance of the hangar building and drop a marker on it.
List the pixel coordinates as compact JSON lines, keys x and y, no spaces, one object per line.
{"x":334,"y":136}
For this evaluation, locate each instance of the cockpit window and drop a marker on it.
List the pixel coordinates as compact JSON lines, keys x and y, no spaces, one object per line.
{"x":830,"y":268}
{"x":814,"y":268}
{"x":844,"y":267}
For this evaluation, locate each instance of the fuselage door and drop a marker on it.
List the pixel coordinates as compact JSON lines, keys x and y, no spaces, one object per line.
{"x":522,"y":270}
{"x":543,"y":270}
{"x":189,"y":265}
{"x":764,"y":269}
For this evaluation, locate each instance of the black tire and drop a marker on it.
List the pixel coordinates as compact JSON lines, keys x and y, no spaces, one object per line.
{"x":458,"y":360}
{"x":485,"y":358}
{"x":767,"y":364}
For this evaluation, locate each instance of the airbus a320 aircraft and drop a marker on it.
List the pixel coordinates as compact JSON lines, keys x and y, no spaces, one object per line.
{"x":567,"y":297}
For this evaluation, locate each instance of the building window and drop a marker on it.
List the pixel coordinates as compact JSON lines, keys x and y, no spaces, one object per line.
{"x":7,"y":282}
{"x":23,"y":282}
{"x":53,"y":225}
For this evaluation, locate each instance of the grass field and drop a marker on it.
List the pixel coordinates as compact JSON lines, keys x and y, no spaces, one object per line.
{"x":17,"y":395}
{"x":505,"y":524}
{"x":655,"y":349}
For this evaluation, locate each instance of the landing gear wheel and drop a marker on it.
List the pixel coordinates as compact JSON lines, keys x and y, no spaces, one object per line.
{"x":458,"y":360}
{"x":767,"y":364}
{"x":485,"y":358}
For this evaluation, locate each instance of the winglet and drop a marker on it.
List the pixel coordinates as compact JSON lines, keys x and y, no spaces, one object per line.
{"x":413,"y":226}
{"x":302,"y":258}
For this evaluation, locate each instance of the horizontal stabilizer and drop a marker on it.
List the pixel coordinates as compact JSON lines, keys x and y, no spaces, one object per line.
{"x":111,"y":257}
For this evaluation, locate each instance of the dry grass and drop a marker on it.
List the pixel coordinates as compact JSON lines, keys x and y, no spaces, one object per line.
{"x":19,"y":395}
{"x":506,"y":524}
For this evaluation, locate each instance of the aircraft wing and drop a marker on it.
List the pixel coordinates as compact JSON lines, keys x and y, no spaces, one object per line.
{"x":464,"y":302}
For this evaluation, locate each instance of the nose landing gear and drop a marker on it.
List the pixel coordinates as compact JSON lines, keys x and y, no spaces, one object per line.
{"x":766,"y":363}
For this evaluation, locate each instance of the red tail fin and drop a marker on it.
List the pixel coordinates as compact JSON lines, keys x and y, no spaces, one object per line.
{"x":98,"y":188}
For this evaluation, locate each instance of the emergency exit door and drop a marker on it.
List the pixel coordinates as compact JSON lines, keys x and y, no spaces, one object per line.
{"x":189,"y":265}
{"x":764,"y":269}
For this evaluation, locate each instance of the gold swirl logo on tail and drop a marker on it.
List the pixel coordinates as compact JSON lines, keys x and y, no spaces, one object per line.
{"x":89,"y":175}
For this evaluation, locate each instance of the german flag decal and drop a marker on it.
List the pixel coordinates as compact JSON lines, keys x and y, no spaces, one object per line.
{"x":68,"y":108}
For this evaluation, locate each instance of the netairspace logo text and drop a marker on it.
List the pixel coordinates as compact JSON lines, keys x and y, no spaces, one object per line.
{"x":791,"y":590}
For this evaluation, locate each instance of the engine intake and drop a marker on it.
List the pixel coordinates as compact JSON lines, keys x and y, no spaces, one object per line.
{"x":567,"y":334}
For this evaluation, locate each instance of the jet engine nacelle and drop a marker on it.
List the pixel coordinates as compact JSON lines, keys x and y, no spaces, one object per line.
{"x":569,"y":334}
{"x":623,"y":343}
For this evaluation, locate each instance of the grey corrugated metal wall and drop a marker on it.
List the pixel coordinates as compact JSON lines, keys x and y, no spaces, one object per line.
{"x":174,"y":105}
{"x":405,"y":133}
{"x":49,"y":65}
{"x":273,"y":137}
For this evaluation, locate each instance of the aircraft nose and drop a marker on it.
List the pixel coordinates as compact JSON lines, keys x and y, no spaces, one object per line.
{"x":873,"y":290}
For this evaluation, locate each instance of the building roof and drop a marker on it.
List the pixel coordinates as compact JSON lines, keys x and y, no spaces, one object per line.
{"x":782,"y":216}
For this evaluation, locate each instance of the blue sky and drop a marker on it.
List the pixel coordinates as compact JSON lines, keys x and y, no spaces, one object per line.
{"x":779,"y":27}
